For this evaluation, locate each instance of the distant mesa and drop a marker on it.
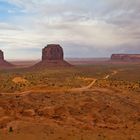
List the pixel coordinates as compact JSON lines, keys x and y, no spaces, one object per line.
{"x":126,"y":57}
{"x":52,"y":56}
{"x":4,"y":63}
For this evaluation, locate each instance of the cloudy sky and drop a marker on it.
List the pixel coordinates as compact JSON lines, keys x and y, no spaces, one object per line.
{"x":84,"y":28}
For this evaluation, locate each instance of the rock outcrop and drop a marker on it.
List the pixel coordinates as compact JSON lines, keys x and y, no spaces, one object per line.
{"x":1,"y":56}
{"x":126,"y":57}
{"x":52,"y":56}
{"x":52,"y":52}
{"x":4,"y":63}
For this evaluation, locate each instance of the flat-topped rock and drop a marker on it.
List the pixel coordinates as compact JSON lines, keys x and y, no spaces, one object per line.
{"x":52,"y":56}
{"x":52,"y":52}
{"x":126,"y":57}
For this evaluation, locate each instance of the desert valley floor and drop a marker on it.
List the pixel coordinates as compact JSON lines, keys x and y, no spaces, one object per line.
{"x":99,"y":101}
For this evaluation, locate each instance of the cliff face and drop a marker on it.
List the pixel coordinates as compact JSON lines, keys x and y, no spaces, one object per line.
{"x":3,"y":63}
{"x":52,"y":56}
{"x":1,"y":56}
{"x":126,"y":57}
{"x":52,"y":52}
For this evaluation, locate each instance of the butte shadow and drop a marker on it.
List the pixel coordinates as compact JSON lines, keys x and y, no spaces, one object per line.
{"x":3,"y":63}
{"x":52,"y":56}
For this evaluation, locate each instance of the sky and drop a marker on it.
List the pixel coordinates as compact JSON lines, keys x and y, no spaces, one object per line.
{"x":84,"y":28}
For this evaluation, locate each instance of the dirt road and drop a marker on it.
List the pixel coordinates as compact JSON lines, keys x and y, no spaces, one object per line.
{"x":84,"y":88}
{"x":93,"y":82}
{"x":80,"y":89}
{"x":97,"y":114}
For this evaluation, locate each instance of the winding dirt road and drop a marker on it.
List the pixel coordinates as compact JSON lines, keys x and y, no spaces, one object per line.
{"x":84,"y":88}
{"x":80,"y":89}
{"x":93,"y":82}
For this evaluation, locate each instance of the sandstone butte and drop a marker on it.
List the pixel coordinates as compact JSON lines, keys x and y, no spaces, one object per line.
{"x":52,"y":56}
{"x":4,"y":63}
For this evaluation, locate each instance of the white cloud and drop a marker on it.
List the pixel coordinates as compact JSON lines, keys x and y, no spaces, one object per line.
{"x":104,"y":25}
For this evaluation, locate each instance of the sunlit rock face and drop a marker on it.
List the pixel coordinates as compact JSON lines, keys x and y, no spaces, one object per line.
{"x":52,"y":52}
{"x":126,"y":57}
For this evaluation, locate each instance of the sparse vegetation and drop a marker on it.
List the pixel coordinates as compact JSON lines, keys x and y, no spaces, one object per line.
{"x":109,"y":105}
{"x":126,"y":78}
{"x":10,"y":129}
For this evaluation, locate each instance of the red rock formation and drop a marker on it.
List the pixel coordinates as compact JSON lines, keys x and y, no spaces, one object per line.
{"x":126,"y":57}
{"x":52,"y":56}
{"x":3,"y":63}
{"x":52,"y":52}
{"x":1,"y":55}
